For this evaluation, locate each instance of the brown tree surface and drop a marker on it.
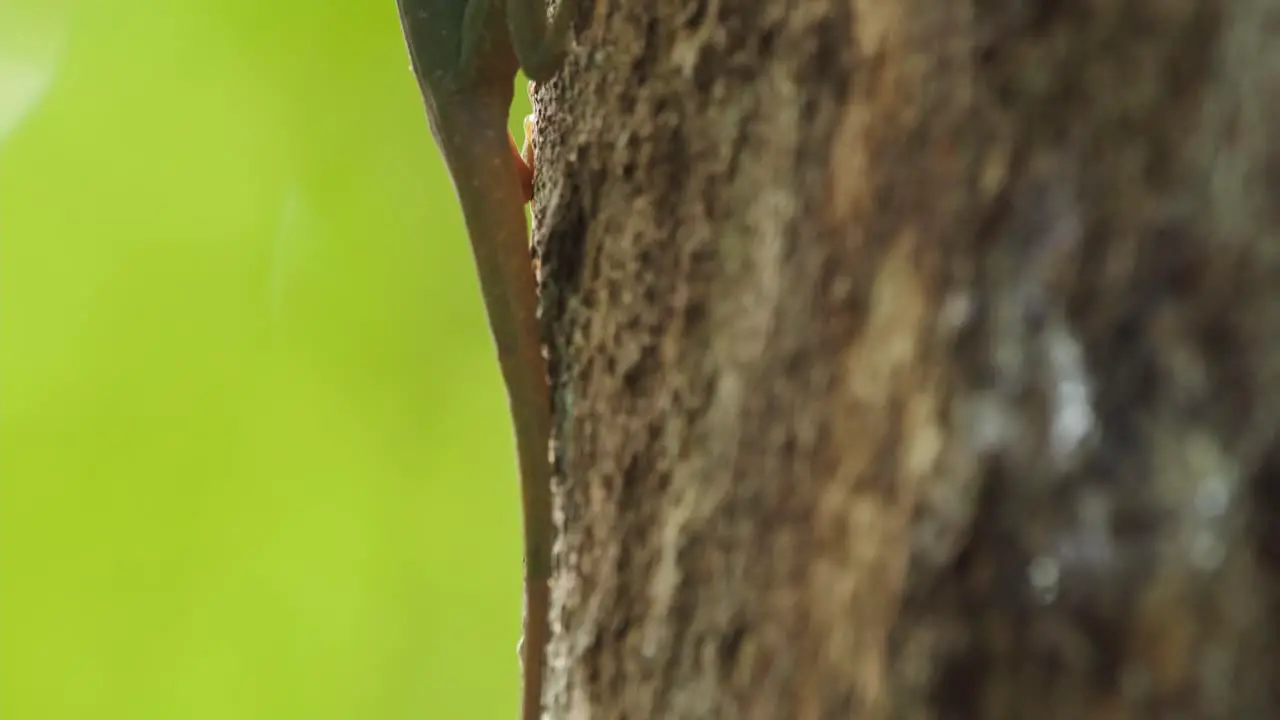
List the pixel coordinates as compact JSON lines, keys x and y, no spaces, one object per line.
{"x":915,"y":359}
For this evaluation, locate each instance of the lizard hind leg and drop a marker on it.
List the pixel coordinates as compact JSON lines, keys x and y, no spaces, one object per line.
{"x":524,"y":162}
{"x":540,"y":47}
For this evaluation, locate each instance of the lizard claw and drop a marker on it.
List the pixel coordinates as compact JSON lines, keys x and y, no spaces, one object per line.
{"x":530,"y":131}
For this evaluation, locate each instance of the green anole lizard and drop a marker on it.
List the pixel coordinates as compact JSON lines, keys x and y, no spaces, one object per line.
{"x":466,"y":54}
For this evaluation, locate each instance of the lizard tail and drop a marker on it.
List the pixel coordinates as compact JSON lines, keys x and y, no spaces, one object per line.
{"x":534,"y":647}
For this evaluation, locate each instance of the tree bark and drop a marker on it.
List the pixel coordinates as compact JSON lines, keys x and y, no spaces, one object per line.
{"x":915,"y":359}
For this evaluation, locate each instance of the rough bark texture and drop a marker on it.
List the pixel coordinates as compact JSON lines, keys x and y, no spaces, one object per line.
{"x":915,"y":359}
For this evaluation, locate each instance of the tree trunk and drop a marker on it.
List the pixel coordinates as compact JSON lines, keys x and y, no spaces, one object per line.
{"x":915,"y":359}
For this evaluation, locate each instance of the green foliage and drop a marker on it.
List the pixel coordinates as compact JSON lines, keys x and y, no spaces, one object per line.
{"x":255,"y":456}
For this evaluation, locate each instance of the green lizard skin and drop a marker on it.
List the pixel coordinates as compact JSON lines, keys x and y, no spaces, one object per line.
{"x":466,"y":54}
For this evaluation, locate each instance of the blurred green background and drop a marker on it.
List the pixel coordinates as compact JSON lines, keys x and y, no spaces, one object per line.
{"x":254,"y":456}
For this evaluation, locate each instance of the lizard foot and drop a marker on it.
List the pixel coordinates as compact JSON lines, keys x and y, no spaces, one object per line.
{"x":526,"y":152}
{"x":524,"y":168}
